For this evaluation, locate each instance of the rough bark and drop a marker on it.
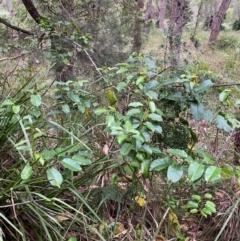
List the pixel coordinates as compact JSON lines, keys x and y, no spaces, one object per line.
{"x":217,"y":20}
{"x":149,"y":11}
{"x":197,"y":20}
{"x":137,"y":40}
{"x":32,"y":11}
{"x":175,"y":31}
{"x":162,"y":12}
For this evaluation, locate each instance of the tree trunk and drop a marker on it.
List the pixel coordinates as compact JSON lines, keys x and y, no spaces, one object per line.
{"x":149,"y":11}
{"x":197,"y":20}
{"x":175,"y":30}
{"x":161,"y":16}
{"x":63,"y":65}
{"x":217,"y":20}
{"x":137,"y":40}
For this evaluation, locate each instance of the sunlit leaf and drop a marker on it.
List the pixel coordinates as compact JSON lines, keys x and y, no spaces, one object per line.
{"x":195,"y":171}
{"x":203,"y":86}
{"x":54,"y":177}
{"x":135,"y":104}
{"x":145,"y":166}
{"x":36,"y":100}
{"x":126,"y":148}
{"x":26,"y":172}
{"x":212,"y":174}
{"x":197,"y":111}
{"x":81,"y":160}
{"x":71,"y":164}
{"x":160,"y":164}
{"x":223,"y":124}
{"x":16,"y":109}
{"x":174,"y":173}
{"x":177,"y":152}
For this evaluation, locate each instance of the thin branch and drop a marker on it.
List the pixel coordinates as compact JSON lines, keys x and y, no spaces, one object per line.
{"x":3,"y":21}
{"x":15,"y":57}
{"x":32,"y":11}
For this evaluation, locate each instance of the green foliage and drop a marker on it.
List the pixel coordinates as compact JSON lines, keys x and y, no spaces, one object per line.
{"x":236,"y":25}
{"x":154,"y":108}
{"x":204,"y":206}
{"x":226,"y":41}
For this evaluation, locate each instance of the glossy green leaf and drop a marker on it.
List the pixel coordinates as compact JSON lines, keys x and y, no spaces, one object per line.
{"x":211,"y":206}
{"x":72,"y":239}
{"x":16,"y":109}
{"x":100,"y":111}
{"x":122,"y":70}
{"x":195,"y":171}
{"x":125,"y":148}
{"x":36,"y":100}
{"x":150,"y":126}
{"x":133,"y":112}
{"x":224,"y":95}
{"x":203,"y":86}
{"x":152,"y":106}
{"x":26,"y":172}
{"x":197,"y":111}
{"x":196,"y":197}
{"x":212,"y":174}
{"x":128,"y":126}
{"x":223,"y":124}
{"x":121,"y":138}
{"x":73,"y":97}
{"x":237,"y":102}
{"x":192,"y":204}
{"x":81,"y":160}
{"x":147,"y":149}
{"x":48,"y":154}
{"x":66,"y":109}
{"x":177,"y":152}
{"x":121,"y":86}
{"x":160,"y":164}
{"x":71,"y":164}
{"x":54,"y":177}
{"x":145,"y":165}
{"x":155,"y":117}
{"x":150,"y":85}
{"x":208,"y":196}
{"x":194,"y":210}
{"x":158,"y":129}
{"x":7,"y":102}
{"x":152,"y":95}
{"x":208,"y":115}
{"x":174,"y":173}
{"x":140,"y":80}
{"x":135,"y":104}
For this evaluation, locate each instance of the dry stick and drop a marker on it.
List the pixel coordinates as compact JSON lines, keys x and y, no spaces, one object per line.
{"x":13,"y":205}
{"x":160,"y":224}
{"x":90,"y":58}
{"x":15,"y":27}
{"x":18,"y":56}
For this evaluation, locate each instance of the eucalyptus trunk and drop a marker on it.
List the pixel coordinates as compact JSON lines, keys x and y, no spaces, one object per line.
{"x":137,"y":39}
{"x":217,"y":20}
{"x":161,"y":15}
{"x":175,"y":30}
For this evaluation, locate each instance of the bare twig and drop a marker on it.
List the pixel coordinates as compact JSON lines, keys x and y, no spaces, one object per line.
{"x":14,"y":27}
